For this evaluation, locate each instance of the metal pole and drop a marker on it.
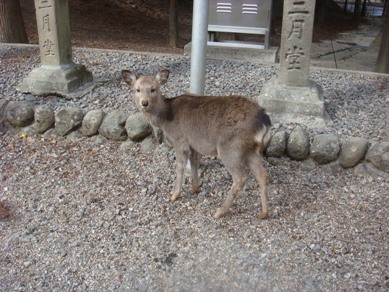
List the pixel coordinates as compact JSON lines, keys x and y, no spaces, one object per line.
{"x":199,"y":46}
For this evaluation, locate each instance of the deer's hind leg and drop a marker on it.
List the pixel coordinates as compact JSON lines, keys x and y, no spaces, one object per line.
{"x":194,"y":158}
{"x":262,"y":176}
{"x":235,"y":164}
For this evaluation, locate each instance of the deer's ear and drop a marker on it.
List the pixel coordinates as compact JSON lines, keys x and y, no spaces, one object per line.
{"x":162,"y":76}
{"x":129,"y":77}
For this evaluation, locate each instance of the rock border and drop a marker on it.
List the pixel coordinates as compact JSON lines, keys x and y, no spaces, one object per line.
{"x":25,"y":119}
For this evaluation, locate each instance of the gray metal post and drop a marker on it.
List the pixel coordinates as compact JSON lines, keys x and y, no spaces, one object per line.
{"x":199,"y":46}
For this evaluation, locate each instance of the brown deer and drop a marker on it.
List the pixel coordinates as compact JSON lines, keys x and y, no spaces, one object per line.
{"x":233,"y":128}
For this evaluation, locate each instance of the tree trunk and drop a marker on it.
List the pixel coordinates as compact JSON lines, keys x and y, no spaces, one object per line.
{"x":12,"y":28}
{"x":357,"y":10}
{"x":173,"y":24}
{"x":385,"y":7}
{"x":382,"y":65}
{"x":363,"y":11}
{"x":345,"y":7}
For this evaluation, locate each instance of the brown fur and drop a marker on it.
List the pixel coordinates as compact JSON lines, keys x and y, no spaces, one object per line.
{"x":4,"y":211}
{"x":233,"y":128}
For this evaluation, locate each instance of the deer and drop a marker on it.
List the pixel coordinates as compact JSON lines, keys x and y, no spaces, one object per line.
{"x":233,"y":128}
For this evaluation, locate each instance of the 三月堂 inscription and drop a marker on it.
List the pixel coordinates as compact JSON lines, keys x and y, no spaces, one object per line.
{"x":297,"y":30}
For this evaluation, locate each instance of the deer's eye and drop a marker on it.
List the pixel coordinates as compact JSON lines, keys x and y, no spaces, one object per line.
{"x":152,"y":89}
{"x":137,"y":90}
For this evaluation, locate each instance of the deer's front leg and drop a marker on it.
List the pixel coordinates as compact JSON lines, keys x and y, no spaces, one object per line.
{"x":182,"y":154}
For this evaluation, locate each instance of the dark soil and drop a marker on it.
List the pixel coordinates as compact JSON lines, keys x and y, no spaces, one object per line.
{"x":143,"y":25}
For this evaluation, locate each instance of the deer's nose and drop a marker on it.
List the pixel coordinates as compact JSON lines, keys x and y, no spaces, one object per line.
{"x":145,"y":103}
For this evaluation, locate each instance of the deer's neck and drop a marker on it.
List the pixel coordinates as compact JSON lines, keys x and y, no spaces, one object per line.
{"x":161,"y":114}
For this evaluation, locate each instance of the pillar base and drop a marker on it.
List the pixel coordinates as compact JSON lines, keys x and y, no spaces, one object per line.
{"x":70,"y":81}
{"x":294,"y":104}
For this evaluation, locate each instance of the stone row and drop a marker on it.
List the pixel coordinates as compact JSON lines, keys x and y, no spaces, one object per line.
{"x":118,"y":125}
{"x":327,"y":148}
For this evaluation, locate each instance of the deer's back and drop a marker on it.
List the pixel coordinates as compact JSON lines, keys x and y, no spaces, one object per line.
{"x":222,"y":111}
{"x":208,"y":121}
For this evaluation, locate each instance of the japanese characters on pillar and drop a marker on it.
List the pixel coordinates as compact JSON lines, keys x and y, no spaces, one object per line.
{"x":54,"y":31}
{"x":44,"y":12}
{"x":58,"y":74}
{"x":296,"y":41}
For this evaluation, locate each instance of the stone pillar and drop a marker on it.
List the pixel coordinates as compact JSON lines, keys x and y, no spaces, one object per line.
{"x":57,"y":74}
{"x":295,"y":52}
{"x":293,"y":97}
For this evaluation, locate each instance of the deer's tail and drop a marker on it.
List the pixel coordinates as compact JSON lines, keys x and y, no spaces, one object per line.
{"x":262,"y":136}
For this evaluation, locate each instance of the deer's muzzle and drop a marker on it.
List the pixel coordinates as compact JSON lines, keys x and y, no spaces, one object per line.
{"x":144,"y":103}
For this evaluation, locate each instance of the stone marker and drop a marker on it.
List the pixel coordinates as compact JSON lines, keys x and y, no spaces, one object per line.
{"x":137,"y":127}
{"x":277,"y":144}
{"x":113,"y":126}
{"x":67,"y":119}
{"x":353,"y":150}
{"x":19,"y":114}
{"x":44,"y":118}
{"x":92,"y":122}
{"x":296,"y":40}
{"x":325,"y":148}
{"x":297,"y":145}
{"x":57,"y":74}
{"x":378,"y":155}
{"x":293,"y":97}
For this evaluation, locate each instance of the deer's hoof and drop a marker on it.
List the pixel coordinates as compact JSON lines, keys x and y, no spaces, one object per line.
{"x":174,"y":197}
{"x":263,"y":215}
{"x":218,"y":214}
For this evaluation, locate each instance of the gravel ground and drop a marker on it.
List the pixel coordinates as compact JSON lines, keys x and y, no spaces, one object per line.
{"x":87,"y":217}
